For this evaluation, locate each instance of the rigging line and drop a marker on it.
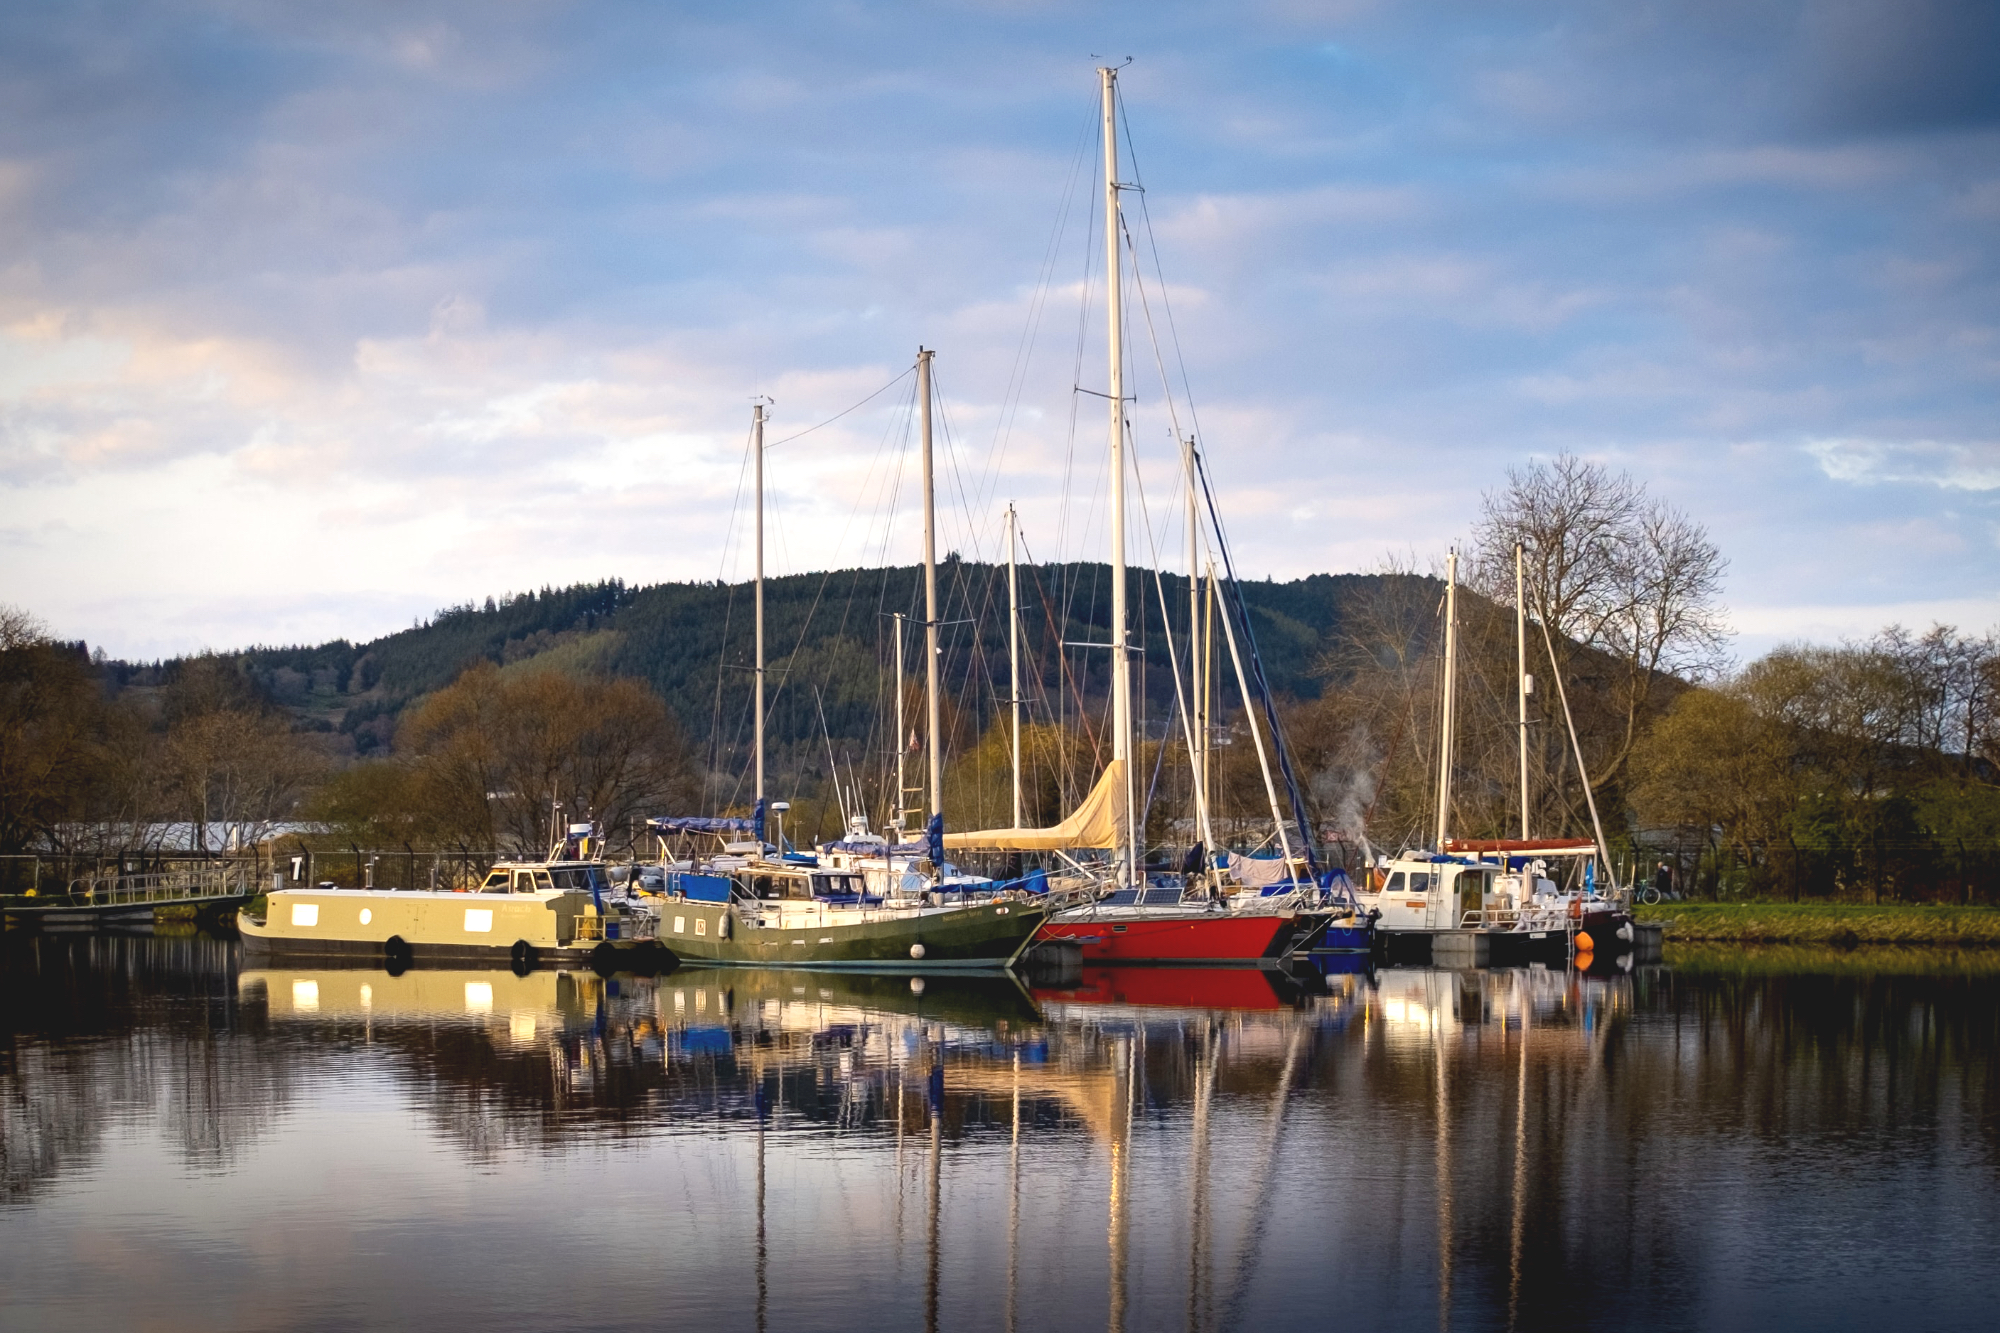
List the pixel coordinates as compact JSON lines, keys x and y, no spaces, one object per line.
{"x":1152,"y":335}
{"x":1173,"y":659}
{"x":1167,"y":306}
{"x":843,"y":412}
{"x":1063,"y":674}
{"x":805,"y":626}
{"x":1084,"y":292}
{"x":771,"y":704}
{"x":951,"y":457}
{"x":1257,"y":670}
{"x":1139,"y":281}
{"x":1017,"y":380}
{"x":728,"y":609}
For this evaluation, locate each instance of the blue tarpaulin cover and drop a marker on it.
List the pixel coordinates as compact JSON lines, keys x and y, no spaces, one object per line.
{"x":700,"y":824}
{"x":699,"y":888}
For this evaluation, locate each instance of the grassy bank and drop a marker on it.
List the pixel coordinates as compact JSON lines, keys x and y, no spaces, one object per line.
{"x":1820,"y":960}
{"x":1827,"y":924}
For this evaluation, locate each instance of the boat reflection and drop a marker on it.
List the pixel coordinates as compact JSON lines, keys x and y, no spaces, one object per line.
{"x":1149,"y":1148}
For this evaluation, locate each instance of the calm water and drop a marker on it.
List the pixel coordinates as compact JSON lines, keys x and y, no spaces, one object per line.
{"x":1731,"y":1141}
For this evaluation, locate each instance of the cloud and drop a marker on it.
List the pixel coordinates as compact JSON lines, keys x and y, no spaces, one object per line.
{"x":1951,"y":467}
{"x":387,"y":307}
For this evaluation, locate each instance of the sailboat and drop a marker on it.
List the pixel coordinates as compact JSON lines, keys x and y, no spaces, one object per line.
{"x":735,"y":898}
{"x":1186,"y":920}
{"x":1497,"y":886}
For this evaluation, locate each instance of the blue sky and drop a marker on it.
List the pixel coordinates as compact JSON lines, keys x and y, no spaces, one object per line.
{"x":315,"y":319}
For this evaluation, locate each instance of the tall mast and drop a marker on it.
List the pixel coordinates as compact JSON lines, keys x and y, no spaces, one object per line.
{"x":1450,"y":696}
{"x":1014,"y":654}
{"x":1198,"y":728}
{"x":930,"y":593}
{"x":1521,"y":674}
{"x":902,"y":734}
{"x":757,"y":448}
{"x":1114,"y":318}
{"x":1257,"y":739}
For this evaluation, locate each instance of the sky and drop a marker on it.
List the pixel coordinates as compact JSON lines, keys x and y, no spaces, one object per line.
{"x":316,"y":319}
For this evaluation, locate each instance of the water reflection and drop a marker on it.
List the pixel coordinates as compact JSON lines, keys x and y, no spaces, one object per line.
{"x":1710,"y":1142}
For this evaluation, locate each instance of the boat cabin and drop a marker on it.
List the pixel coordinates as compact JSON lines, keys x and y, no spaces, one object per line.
{"x":768,"y":883}
{"x":546,"y":877}
{"x":1432,"y":895}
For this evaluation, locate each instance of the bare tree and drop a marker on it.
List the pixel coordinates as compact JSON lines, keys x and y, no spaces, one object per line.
{"x":1628,"y":584}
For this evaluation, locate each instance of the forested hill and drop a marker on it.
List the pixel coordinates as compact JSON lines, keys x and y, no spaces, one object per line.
{"x":829,"y":645}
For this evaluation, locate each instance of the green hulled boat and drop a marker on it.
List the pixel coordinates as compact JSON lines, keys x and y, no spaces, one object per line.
{"x":772,"y":915}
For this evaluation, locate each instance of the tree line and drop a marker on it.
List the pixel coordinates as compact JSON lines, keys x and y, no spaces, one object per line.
{"x":1862,"y":771}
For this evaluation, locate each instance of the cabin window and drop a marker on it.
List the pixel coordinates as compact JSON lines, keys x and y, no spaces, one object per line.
{"x":542,"y":880}
{"x":766,"y":886}
{"x":524,"y":881}
{"x":495,"y":883}
{"x":1395,"y":883}
{"x":1420,"y":882}
{"x":565,"y":879}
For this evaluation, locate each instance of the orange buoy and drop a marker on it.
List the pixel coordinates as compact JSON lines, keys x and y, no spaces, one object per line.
{"x":1584,"y":944}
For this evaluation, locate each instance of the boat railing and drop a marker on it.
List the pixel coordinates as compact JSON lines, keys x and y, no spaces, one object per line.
{"x":633,"y":927}
{"x":163,"y":887}
{"x":1530,"y":918}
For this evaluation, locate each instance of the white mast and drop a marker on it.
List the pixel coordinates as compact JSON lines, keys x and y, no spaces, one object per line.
{"x":930,"y":593}
{"x":1198,"y":728}
{"x":1450,"y":696}
{"x":1256,"y":735}
{"x":1114,"y":318}
{"x":1521,"y":675}
{"x":757,"y":447}
{"x":902,"y":735}
{"x":1014,"y":654}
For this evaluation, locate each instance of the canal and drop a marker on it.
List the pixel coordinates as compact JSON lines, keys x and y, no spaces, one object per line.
{"x":1731,"y":1139}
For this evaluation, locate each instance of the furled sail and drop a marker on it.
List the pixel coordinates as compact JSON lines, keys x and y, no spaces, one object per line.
{"x":1098,"y":822}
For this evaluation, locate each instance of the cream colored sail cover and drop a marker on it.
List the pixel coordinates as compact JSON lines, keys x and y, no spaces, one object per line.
{"x":1098,"y":822}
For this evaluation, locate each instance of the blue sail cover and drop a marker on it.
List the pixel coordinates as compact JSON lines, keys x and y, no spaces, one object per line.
{"x":934,"y":840}
{"x":717,"y":825}
{"x":878,"y":848}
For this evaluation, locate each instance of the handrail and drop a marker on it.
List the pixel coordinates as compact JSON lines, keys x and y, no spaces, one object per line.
{"x":165,"y":886}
